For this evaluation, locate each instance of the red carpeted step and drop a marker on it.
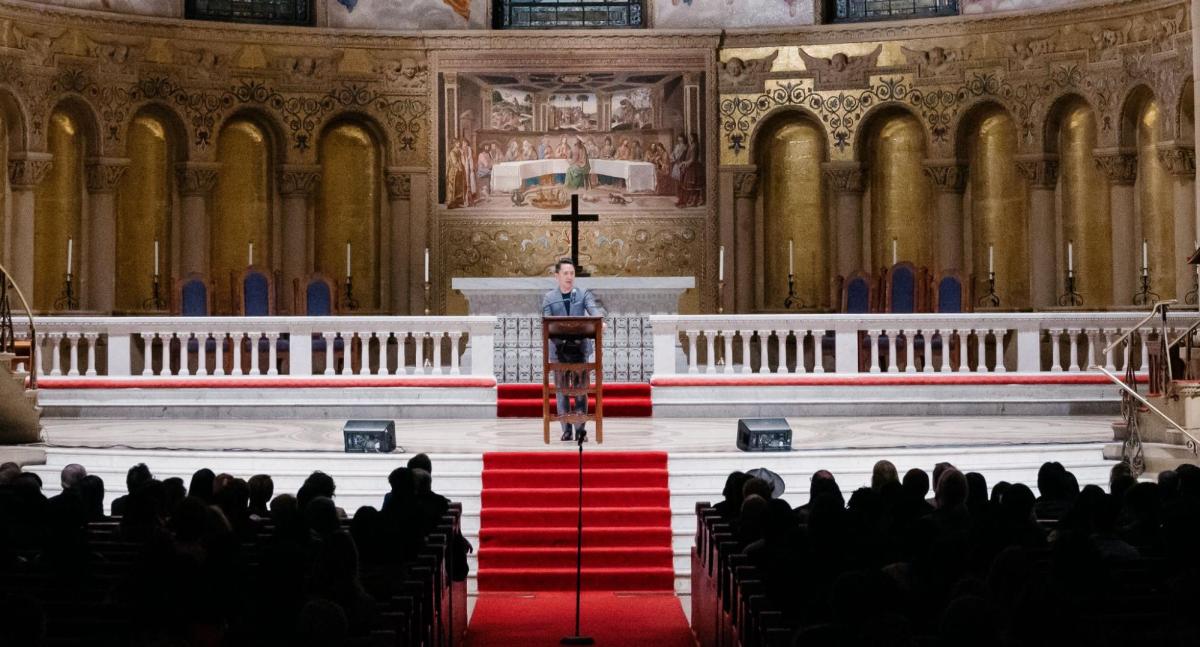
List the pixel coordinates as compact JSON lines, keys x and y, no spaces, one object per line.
{"x":614,"y":619}
{"x":534,"y":390}
{"x":594,"y":579}
{"x":601,"y":497}
{"x":621,"y":400}
{"x":555,"y":459}
{"x":562,"y":537}
{"x":593,"y":557}
{"x":559,"y":478}
{"x":529,"y":517}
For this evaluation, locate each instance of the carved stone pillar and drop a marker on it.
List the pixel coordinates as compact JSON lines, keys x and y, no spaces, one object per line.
{"x":196,"y":182}
{"x":846,"y":181}
{"x":418,"y":241}
{"x":297,"y":185}
{"x":1180,"y":162}
{"x":949,"y":180}
{"x":98,"y":284}
{"x":399,"y":192}
{"x":745,"y":192}
{"x":25,"y":172}
{"x":1121,"y":168}
{"x":1044,"y":267}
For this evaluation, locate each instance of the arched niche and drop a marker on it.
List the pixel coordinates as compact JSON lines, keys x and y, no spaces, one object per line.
{"x":900,"y":197}
{"x":59,"y":203}
{"x":241,"y":206}
{"x":1154,"y":204}
{"x":349,"y":204}
{"x":790,"y":151}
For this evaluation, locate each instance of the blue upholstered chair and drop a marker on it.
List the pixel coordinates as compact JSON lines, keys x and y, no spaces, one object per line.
{"x":193,"y":296}
{"x":318,"y":297}
{"x":257,"y":293}
{"x":858,"y":294}
{"x":949,"y":293}
{"x":902,"y":289}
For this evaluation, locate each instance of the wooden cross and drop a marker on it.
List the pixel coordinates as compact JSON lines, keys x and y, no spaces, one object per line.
{"x":575,"y":218}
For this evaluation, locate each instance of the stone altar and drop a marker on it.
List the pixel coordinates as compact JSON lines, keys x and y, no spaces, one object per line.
{"x":629,"y":301}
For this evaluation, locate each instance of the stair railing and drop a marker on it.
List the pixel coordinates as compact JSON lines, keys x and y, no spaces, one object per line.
{"x":8,"y":337}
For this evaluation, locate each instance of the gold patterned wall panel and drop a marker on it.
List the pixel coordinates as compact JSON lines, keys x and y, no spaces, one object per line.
{"x":1086,"y":219}
{"x":58,"y":211}
{"x":144,"y":214}
{"x":617,"y":246}
{"x":998,"y":208}
{"x":1155,"y":203}
{"x":5,"y":215}
{"x":900,"y":192}
{"x":794,"y":210}
{"x":348,"y":210}
{"x":241,"y":207}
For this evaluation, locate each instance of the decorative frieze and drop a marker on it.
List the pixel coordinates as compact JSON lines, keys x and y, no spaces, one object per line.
{"x":1119,"y":166}
{"x":28,"y":170}
{"x":1040,"y":172}
{"x":1179,"y":161}
{"x":844,"y":178}
{"x":104,"y":174}
{"x":947,"y":178}
{"x":299,"y":180}
{"x":196,"y":178}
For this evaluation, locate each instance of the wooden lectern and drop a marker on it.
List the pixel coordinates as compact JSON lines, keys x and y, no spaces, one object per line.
{"x":579,"y":328}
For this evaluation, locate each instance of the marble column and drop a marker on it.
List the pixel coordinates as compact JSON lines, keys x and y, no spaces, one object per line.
{"x":196,"y":182}
{"x":399,"y":192}
{"x":846,"y":180}
{"x":1041,"y":173}
{"x":1180,"y":163}
{"x":418,"y":242}
{"x":297,"y":186}
{"x":949,"y":179}
{"x":1121,"y":168}
{"x":745,"y":193}
{"x":98,"y":284}
{"x":25,"y":172}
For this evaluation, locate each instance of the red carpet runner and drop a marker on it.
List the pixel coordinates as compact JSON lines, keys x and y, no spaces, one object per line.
{"x":528,"y":521}
{"x":643,"y":619}
{"x":621,"y":400}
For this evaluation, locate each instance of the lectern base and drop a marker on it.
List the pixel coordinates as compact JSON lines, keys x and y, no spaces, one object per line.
{"x":577,"y":640}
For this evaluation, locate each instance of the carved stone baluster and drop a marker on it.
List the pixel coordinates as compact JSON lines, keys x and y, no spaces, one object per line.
{"x":147,"y":353}
{"x":1055,"y":363}
{"x":255,"y":342}
{"x":181,"y":352}
{"x":1109,"y":362}
{"x":419,"y":339}
{"x":73,"y":350}
{"x":710,"y":358}
{"x":964,"y":356}
{"x":764,"y":357}
{"x":1127,"y":351}
{"x":746,"y":363}
{"x":91,"y":338}
{"x":219,"y":352}
{"x":946,"y":343}
{"x":437,"y":353}
{"x":272,"y":350}
{"x":236,"y":348}
{"x":873,"y":349}
{"x":818,"y":351}
{"x":801,"y":365}
{"x":691,"y":335}
{"x":892,"y":341}
{"x":454,"y":337}
{"x":981,"y":339}
{"x":329,"y":338}
{"x":910,"y":348}
{"x":1073,"y":336}
{"x":1144,"y":335}
{"x":55,"y":353}
{"x":727,"y":335}
{"x":1093,"y":346}
{"x":1000,"y":335}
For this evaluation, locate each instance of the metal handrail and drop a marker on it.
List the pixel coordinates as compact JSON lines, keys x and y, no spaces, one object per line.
{"x":1193,"y":443}
{"x":6,"y":276}
{"x":1183,"y":335}
{"x":1153,"y":311}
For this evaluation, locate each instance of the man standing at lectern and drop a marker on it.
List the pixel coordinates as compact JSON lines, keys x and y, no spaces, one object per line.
{"x":568,"y":301}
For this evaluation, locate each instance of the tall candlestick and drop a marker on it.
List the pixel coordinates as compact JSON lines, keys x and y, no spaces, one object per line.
{"x":155,"y":257}
{"x":895,"y":256}
{"x":426,"y":264}
{"x":250,"y":255}
{"x":70,"y":253}
{"x":1070,"y":256}
{"x":347,"y":259}
{"x":721,"y":264}
{"x":791,"y":257}
{"x":1145,"y":259}
{"x":991,"y":258}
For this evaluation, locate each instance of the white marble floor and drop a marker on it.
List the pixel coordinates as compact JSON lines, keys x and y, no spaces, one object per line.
{"x":670,"y":434}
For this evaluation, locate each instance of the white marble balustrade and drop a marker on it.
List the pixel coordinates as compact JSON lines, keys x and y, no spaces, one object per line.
{"x":882,"y":343}
{"x":264,"y":346}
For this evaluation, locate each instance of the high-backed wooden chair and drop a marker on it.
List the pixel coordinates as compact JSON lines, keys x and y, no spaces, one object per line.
{"x":950,"y":293}
{"x":857,"y":294}
{"x":192,"y":296}
{"x":903,"y":291}
{"x":255,"y":293}
{"x":318,"y":297}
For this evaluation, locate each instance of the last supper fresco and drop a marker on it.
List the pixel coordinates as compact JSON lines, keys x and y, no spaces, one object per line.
{"x":621,"y":140}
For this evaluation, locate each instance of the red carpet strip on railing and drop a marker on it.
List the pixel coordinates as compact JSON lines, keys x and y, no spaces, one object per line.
{"x":528,"y":533}
{"x":621,"y":400}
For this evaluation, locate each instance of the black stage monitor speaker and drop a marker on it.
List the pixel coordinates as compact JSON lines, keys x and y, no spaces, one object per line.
{"x":764,"y":435}
{"x":370,"y":436}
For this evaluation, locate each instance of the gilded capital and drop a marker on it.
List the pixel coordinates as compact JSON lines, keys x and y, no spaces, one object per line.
{"x":1119,"y":166}
{"x":1041,"y":173}
{"x":196,"y":178}
{"x":299,"y":180}
{"x":399,"y":185}
{"x":104,"y":173}
{"x":28,"y":170}
{"x":844,"y":178}
{"x":947,"y":177}
{"x":1179,"y":161}
{"x":745,"y":184}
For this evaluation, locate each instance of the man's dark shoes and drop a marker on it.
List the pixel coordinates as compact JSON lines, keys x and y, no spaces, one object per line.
{"x":582,"y":437}
{"x":566,"y":435}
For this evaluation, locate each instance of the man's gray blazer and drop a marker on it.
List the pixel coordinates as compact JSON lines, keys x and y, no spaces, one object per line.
{"x":583,"y":304}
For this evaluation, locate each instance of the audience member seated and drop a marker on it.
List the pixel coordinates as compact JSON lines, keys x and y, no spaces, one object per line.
{"x":136,"y":477}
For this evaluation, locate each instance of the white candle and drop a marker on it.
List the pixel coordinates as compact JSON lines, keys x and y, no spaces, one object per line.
{"x":1145,"y":259}
{"x":721,"y":264}
{"x":250,"y":255}
{"x":791,"y":257}
{"x":70,"y":253}
{"x":347,"y":259}
{"x":894,"y":255}
{"x":155,"y":257}
{"x":1070,"y":255}
{"x":426,"y":264}
{"x":991,"y":258}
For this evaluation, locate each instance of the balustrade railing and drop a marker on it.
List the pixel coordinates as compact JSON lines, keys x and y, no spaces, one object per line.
{"x":264,"y":346}
{"x":930,"y":343}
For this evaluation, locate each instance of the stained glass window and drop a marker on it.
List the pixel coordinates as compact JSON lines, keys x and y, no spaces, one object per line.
{"x":566,"y":14}
{"x":266,"y":12}
{"x":859,"y":10}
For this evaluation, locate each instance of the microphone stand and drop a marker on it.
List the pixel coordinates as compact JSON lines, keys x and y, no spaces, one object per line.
{"x":577,"y":638}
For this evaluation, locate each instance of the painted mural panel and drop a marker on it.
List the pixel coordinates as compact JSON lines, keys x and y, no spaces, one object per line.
{"x":989,"y":6}
{"x":683,"y":14}
{"x":625,"y":141}
{"x":406,"y":14}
